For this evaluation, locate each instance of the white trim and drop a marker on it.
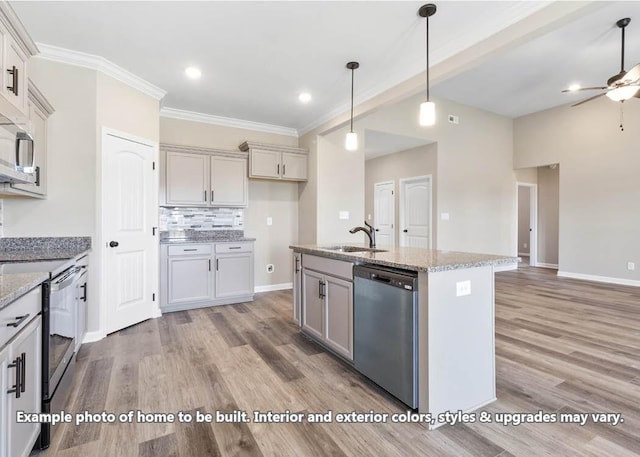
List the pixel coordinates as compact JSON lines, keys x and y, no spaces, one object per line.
{"x":547,"y":265}
{"x":505,"y":267}
{"x":620,"y":281}
{"x":93,"y":62}
{"x":92,"y":337}
{"x":272,"y":287}
{"x":174,"y":113}
{"x":533,"y":221}
{"x":401,"y":202}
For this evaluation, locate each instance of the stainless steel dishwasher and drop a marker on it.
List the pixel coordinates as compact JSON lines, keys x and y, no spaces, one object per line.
{"x":385,"y":329}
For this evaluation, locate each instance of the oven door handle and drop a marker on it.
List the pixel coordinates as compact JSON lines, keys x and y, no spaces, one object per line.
{"x":67,"y":280}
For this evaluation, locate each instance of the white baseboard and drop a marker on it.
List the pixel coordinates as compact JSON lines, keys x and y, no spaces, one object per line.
{"x":523,"y":254}
{"x":271,"y":287}
{"x":505,"y":267}
{"x":547,"y":265}
{"x":92,"y":337}
{"x":620,"y":281}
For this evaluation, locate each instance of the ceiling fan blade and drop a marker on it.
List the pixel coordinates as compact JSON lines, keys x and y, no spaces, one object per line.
{"x":586,"y":88}
{"x":588,"y":99}
{"x":632,"y":75}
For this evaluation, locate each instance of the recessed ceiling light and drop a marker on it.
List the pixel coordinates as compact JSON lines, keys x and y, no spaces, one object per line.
{"x":304,"y":97}
{"x":193,"y":72}
{"x":574,"y":87}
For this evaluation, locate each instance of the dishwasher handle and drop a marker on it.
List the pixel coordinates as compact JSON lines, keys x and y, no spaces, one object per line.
{"x":380,"y":278}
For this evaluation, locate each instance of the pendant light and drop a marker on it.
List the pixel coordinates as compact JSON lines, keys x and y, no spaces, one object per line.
{"x":427,"y":108}
{"x":351,"y":142}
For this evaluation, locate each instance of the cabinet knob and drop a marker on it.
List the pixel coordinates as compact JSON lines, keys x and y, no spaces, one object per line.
{"x":113,"y":244}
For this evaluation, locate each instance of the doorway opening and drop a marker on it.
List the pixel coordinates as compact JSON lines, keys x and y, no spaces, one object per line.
{"x":527,"y":223}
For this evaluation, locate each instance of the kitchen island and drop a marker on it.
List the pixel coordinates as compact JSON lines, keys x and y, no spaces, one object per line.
{"x":455,"y":352}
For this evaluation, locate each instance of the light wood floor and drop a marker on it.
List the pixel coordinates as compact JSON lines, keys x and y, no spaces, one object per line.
{"x":562,"y":346}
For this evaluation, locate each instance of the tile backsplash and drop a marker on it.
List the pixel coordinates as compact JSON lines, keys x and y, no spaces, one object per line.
{"x":201,"y":219}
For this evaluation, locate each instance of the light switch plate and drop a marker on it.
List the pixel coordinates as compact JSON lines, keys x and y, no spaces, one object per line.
{"x":444,"y":216}
{"x":344,"y":215}
{"x":463,"y":288}
{"x":631,"y":266}
{"x":269,"y":220}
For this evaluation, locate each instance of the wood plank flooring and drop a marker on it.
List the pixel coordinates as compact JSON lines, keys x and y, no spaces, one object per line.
{"x":562,"y":345}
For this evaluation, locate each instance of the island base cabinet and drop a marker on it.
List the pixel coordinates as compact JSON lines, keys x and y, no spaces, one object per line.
{"x":313,"y":304}
{"x":23,"y":354}
{"x":339,"y":316}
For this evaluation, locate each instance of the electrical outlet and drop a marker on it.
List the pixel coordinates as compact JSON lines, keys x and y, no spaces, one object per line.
{"x":270,"y":268}
{"x":444,"y":216}
{"x":525,"y":245}
{"x":463,"y":288}
{"x":631,"y":266}
{"x":344,"y":215}
{"x":269,"y":220}
{"x":453,"y":119}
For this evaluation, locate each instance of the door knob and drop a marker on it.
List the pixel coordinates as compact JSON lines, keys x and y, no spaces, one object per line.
{"x":405,"y":230}
{"x":113,"y":244}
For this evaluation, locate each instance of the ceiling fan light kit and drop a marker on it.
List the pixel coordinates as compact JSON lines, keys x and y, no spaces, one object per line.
{"x":427,"y":108}
{"x":351,"y":141}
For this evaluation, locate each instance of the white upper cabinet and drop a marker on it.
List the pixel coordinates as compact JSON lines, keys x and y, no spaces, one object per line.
{"x":203,"y":177}
{"x":268,"y":161}
{"x":16,"y":46}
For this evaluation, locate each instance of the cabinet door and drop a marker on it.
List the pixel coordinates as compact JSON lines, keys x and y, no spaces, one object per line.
{"x":5,"y":374}
{"x":15,"y":87}
{"x":187,"y":179}
{"x":190,"y":279}
{"x":294,"y":166}
{"x":28,"y":347}
{"x":234,"y":274}
{"x":312,"y":303}
{"x":39,"y":122}
{"x":297,"y":287}
{"x":265,"y":164}
{"x":228,"y":181}
{"x":339,"y":316}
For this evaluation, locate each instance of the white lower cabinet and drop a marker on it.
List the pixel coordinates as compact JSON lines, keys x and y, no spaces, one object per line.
{"x":20,"y":375}
{"x":195,"y":275}
{"x":327,"y":303}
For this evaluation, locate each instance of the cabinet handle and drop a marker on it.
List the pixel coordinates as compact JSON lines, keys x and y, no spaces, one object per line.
{"x":38,"y":176}
{"x":297,"y":265}
{"x":217,"y":264}
{"x":209,"y":264}
{"x":319,"y":288}
{"x":235,"y":247}
{"x":187,"y":250}
{"x":205,"y":196}
{"x":14,"y":83}
{"x":284,"y":169}
{"x":17,"y":386}
{"x":212,"y":196}
{"x":23,"y":372}
{"x":84,"y":292}
{"x":19,"y":320}
{"x":278,"y":169}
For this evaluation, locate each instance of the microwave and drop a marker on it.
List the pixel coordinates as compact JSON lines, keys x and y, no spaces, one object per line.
{"x":17,"y":153}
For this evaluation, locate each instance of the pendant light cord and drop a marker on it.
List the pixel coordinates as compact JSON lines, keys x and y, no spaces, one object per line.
{"x":352,"y":70}
{"x":427,"y":58}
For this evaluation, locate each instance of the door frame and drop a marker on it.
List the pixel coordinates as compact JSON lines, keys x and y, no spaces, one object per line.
{"x":401,"y":183}
{"x":100,"y":232}
{"x":533,"y":221}
{"x":395,"y":229}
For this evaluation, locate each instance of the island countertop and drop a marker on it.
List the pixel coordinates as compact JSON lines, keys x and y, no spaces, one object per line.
{"x":415,"y":259}
{"x":13,"y":286}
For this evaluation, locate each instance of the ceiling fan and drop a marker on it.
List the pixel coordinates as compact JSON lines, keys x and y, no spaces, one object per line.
{"x":620,"y":87}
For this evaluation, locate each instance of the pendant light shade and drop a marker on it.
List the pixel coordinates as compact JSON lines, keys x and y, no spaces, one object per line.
{"x":351,"y":141}
{"x":427,"y":108}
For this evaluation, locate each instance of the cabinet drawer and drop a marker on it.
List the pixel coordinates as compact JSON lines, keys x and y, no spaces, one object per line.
{"x":331,"y":267}
{"x":29,"y":304}
{"x":190,"y":249}
{"x":223,"y":248}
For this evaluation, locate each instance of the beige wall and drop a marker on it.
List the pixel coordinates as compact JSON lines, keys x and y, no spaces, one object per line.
{"x":599,"y":185}
{"x":276,"y":199}
{"x":527,"y":175}
{"x":420,"y":161}
{"x":548,"y":214}
{"x":308,"y":195}
{"x":524,"y":219}
{"x":476,"y":182}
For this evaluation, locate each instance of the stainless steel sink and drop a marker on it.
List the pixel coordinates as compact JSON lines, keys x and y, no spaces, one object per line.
{"x":352,"y":249}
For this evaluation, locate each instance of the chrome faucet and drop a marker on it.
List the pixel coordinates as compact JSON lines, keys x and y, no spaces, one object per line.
{"x":369,"y":231}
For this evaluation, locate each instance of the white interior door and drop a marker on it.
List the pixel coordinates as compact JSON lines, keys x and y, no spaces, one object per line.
{"x":130,"y":212}
{"x":384,"y":213}
{"x":415,"y":212}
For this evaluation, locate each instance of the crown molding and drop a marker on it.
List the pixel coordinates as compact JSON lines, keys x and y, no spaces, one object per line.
{"x":93,"y":62}
{"x":17,"y":29}
{"x":174,"y":113}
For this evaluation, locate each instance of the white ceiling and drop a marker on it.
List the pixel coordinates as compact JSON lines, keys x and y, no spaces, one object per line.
{"x":256,"y":57}
{"x":530,"y":78}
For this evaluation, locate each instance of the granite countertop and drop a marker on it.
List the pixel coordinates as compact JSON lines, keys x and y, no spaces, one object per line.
{"x":14,"y":286}
{"x":415,"y":259}
{"x":205,"y":236}
{"x":32,"y":249}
